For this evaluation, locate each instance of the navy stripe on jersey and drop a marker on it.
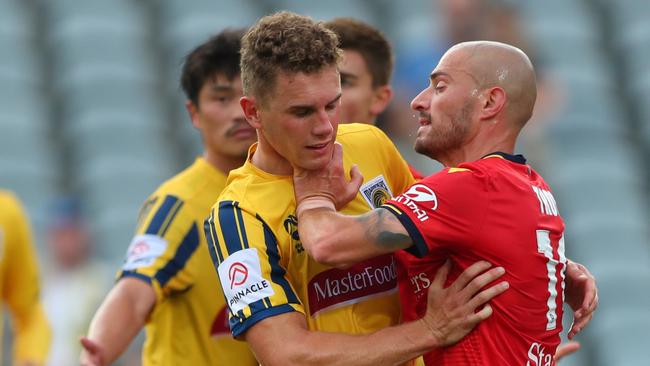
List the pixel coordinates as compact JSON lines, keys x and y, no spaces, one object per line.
{"x":277,"y":272}
{"x":183,"y":253}
{"x":170,"y":218}
{"x":238,"y":327}
{"x":137,"y":275}
{"x":419,"y":247}
{"x":213,"y":241}
{"x":160,"y":217}
{"x":228,"y":224}
{"x":240,"y":221}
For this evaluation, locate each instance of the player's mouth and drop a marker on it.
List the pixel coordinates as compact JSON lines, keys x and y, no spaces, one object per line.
{"x":242,"y":132}
{"x":319,"y":147}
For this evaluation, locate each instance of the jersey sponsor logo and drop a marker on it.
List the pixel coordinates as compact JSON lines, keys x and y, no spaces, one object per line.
{"x":422,"y":193}
{"x":220,"y":326}
{"x":334,"y":288}
{"x":237,"y":274}
{"x":143,"y":251}
{"x":538,"y":356}
{"x":418,"y":198}
{"x":376,"y":191}
{"x":242,"y":280}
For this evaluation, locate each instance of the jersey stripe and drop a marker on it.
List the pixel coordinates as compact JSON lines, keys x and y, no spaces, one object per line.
{"x":183,"y":254}
{"x":277,"y":272}
{"x":241,"y":226}
{"x":170,"y":217}
{"x":419,"y":247}
{"x":228,"y":224}
{"x":160,"y":216}
{"x":137,"y":275}
{"x":213,"y":240}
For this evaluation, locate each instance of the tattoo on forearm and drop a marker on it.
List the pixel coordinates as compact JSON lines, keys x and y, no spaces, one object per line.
{"x":378,"y":225}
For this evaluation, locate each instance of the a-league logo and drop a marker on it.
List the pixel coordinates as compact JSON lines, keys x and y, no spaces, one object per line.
{"x":237,"y":274}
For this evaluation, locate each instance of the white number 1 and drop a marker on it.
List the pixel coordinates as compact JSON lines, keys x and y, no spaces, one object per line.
{"x":544,"y":247}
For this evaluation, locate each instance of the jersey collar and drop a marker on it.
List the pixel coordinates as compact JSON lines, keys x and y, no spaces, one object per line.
{"x":519,"y":159}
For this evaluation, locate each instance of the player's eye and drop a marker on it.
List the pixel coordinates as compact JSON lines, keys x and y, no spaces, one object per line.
{"x":440,"y":86}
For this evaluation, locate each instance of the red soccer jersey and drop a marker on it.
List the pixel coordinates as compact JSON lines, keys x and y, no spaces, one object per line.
{"x":496,"y":209}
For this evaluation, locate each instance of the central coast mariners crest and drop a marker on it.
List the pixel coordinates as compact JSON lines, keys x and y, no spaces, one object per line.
{"x":376,"y":191}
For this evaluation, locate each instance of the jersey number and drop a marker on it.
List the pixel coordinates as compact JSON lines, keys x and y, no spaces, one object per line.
{"x":544,"y":246}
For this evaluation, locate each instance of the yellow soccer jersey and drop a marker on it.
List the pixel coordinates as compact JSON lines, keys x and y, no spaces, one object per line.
{"x":263,"y":268}
{"x":189,"y":323}
{"x":19,"y":283}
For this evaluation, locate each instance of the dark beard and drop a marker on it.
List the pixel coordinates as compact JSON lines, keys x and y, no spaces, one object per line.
{"x":439,"y":145}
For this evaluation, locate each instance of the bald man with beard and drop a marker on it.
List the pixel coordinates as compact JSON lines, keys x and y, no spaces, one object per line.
{"x":487,"y":204}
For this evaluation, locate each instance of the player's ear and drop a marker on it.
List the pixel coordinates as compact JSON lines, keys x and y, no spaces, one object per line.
{"x":193,"y":112}
{"x":493,"y":101}
{"x":250,"y":106}
{"x":380,"y":99}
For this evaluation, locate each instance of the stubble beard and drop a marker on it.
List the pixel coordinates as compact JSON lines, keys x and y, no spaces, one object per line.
{"x":440,"y":141}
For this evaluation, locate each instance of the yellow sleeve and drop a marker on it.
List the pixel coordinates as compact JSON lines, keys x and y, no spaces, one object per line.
{"x":399,"y":174}
{"x":166,"y":238}
{"x":21,"y":289}
{"x":250,"y":266}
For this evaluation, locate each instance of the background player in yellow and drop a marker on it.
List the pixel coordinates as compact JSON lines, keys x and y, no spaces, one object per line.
{"x":19,"y":285}
{"x":167,"y":280}
{"x":275,"y":291}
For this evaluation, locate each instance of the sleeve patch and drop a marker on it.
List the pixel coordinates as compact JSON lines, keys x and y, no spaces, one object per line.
{"x":376,"y":191}
{"x":143,"y":251}
{"x":242,"y":280}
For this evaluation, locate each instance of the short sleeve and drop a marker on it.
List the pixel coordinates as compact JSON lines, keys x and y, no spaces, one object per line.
{"x":442,"y":211}
{"x":250,"y":266}
{"x":166,"y":239}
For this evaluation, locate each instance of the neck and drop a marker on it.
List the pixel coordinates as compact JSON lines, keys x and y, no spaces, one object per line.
{"x":476,"y":148}
{"x":223,"y":163}
{"x":268,"y":160}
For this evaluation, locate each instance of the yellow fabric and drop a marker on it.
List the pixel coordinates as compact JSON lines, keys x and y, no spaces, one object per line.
{"x":19,"y":283}
{"x":256,"y":211}
{"x":179,"y":331}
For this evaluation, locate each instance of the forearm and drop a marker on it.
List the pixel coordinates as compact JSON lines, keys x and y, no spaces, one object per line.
{"x":33,"y":336}
{"x":390,"y":346}
{"x":121,"y":316}
{"x":285,"y":340}
{"x":340,"y":240}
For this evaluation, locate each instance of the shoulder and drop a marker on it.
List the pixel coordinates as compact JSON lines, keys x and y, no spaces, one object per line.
{"x":359,"y":133}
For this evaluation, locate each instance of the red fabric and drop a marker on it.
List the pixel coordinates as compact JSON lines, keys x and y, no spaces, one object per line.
{"x":488,"y":212}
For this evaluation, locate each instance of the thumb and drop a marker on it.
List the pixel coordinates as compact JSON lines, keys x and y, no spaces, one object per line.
{"x":89,"y":345}
{"x":356,"y":178}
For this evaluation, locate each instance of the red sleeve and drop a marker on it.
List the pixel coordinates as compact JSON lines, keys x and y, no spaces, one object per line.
{"x":443,"y":211}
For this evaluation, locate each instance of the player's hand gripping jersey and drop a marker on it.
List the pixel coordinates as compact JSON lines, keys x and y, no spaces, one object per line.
{"x":263,"y":268}
{"x":188,"y":325}
{"x":496,"y":209}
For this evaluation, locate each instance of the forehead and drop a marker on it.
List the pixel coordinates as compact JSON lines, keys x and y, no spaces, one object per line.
{"x":353,"y":62}
{"x":306,"y":89}
{"x":221,"y":80}
{"x":454,"y":65}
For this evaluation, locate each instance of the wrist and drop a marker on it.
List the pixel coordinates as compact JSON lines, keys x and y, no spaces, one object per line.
{"x":429,"y":335}
{"x":315,"y":202}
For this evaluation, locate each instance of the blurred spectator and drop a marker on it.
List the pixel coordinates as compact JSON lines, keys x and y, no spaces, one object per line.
{"x":74,"y":283}
{"x":19,"y":284}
